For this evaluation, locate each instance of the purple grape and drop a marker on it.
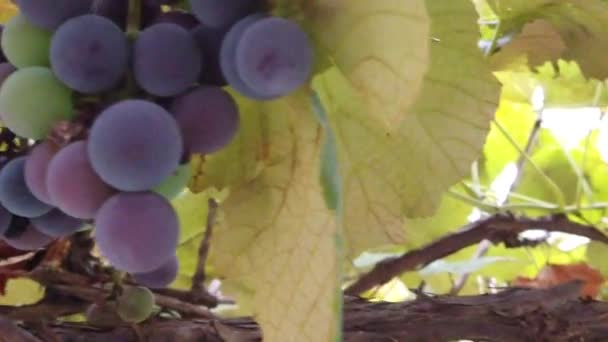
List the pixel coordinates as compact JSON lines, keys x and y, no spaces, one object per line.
{"x":28,"y":239}
{"x":89,"y":54}
{"x":178,"y":17}
{"x":6,"y":69}
{"x":160,"y":277}
{"x":49,"y":14}
{"x":56,"y":223}
{"x":36,"y":167}
{"x":72,"y":184}
{"x":228,"y":59}
{"x":209,"y":41}
{"x":208,"y":118}
{"x":5,"y":219}
{"x":223,"y":13}
{"x":274,"y":56}
{"x":166,"y":60}
{"x":14,"y":193}
{"x":134,"y":145}
{"x":137,"y":231}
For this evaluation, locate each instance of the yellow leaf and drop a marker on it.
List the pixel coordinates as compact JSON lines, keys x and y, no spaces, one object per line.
{"x":389,"y":173}
{"x":7,"y":10}
{"x":22,"y":291}
{"x":277,"y":238}
{"x":381,"y":46}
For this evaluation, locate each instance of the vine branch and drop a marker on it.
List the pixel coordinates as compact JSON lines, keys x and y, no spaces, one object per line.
{"x":499,"y":228}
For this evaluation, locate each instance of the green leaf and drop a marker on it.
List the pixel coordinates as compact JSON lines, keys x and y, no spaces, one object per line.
{"x":517,"y":119}
{"x":277,"y":236}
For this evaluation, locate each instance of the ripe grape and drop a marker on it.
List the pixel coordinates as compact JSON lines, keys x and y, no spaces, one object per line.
{"x":209,"y":40}
{"x":6,"y":69}
{"x":5,"y":219}
{"x":24,"y":44}
{"x":160,"y":277}
{"x":228,"y":59}
{"x":27,"y":239}
{"x":72,"y":184}
{"x":50,"y":14}
{"x":135,"y":304}
{"x":137,"y":231}
{"x":181,"y":18}
{"x":134,"y":145}
{"x":208,"y":118}
{"x":36,"y":166}
{"x":14,"y":193}
{"x":273,"y":56}
{"x":89,"y":53}
{"x":166,"y":59}
{"x":223,"y":13}
{"x":175,"y":183}
{"x":56,"y":223}
{"x":32,"y":100}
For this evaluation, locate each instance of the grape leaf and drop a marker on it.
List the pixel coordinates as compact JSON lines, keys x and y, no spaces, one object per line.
{"x":277,"y":236}
{"x":390,"y":172}
{"x":538,"y":41}
{"x":380,"y":46}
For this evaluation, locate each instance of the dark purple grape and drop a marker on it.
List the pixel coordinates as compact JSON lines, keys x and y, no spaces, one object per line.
{"x":5,"y":219}
{"x":134,"y":145}
{"x":14,"y":193}
{"x":36,"y":166}
{"x":56,"y":223}
{"x":89,"y":54}
{"x":6,"y":69}
{"x":178,"y":17}
{"x":137,"y":231}
{"x":208,"y":118}
{"x":160,"y":277}
{"x":228,"y":58}
{"x":28,"y":239}
{"x":72,"y":184}
{"x":274,"y":56}
{"x":209,"y":41}
{"x":223,"y":13}
{"x":166,"y":60}
{"x":49,"y":14}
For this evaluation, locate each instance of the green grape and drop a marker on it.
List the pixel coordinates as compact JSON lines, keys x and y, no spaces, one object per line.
{"x":103,"y":315}
{"x":135,"y":304}
{"x":25,"y":45}
{"x":32,"y":100}
{"x":175,"y":183}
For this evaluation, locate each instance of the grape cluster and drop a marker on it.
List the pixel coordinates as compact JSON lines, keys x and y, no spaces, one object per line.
{"x":105,"y":103}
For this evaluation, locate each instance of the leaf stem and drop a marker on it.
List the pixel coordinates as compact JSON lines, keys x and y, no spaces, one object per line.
{"x":133,"y":18}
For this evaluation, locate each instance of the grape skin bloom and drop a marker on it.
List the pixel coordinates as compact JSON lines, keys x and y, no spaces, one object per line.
{"x":134,"y":145}
{"x":89,"y":54}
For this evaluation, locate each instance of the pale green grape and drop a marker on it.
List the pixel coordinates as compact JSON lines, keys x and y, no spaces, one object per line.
{"x":25,"y":45}
{"x":32,"y":100}
{"x":175,"y":183}
{"x":135,"y":304}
